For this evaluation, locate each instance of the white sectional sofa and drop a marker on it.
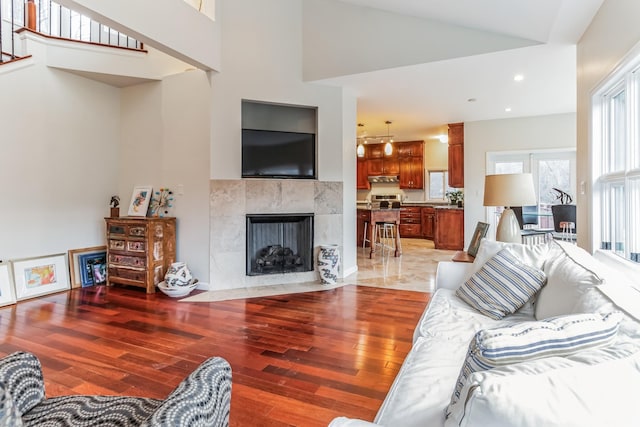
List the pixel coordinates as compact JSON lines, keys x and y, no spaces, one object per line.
{"x":593,"y":383}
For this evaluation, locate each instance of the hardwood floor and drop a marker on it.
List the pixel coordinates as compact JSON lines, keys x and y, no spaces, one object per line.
{"x":299,"y":359}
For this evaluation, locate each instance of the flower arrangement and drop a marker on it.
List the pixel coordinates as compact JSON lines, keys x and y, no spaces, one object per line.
{"x":114,"y":202}
{"x":161,"y":202}
{"x":455,"y":196}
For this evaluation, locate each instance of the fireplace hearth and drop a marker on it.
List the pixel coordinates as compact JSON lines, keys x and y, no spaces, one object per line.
{"x":279,"y":243}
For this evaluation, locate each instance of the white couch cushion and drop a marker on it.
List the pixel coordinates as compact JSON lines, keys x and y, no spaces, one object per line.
{"x":534,"y":255}
{"x":571,"y":271}
{"x":502,"y":285}
{"x":592,"y":388}
{"x":559,"y":336}
{"x":449,"y":318}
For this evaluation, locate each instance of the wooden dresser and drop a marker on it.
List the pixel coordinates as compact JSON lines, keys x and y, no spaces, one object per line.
{"x":140,"y":250}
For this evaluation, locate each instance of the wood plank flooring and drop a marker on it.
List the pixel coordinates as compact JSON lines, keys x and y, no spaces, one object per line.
{"x":297,"y":360}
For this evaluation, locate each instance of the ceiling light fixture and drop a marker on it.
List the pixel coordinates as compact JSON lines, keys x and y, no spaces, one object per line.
{"x":388,"y":148}
{"x":508,"y":109}
{"x":360,"y":148}
{"x":518,"y":77}
{"x":443,"y":138}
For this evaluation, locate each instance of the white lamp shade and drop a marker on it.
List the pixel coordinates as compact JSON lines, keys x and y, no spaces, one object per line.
{"x":512,"y":189}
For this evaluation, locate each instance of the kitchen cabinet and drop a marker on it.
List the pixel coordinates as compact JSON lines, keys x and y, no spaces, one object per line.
{"x":410,"y":148}
{"x":411,"y":173}
{"x":456,"y":155}
{"x":363,"y":217}
{"x":428,"y":221}
{"x":411,"y":159}
{"x":362,"y":178}
{"x":140,"y":250}
{"x":379,"y":163}
{"x":411,"y":221}
{"x":449,"y":228}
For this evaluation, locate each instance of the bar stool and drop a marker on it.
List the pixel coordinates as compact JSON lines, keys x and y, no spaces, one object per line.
{"x":364,"y":237}
{"x":385,"y":234}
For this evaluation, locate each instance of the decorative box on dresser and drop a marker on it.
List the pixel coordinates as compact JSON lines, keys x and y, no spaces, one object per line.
{"x":140,"y":250}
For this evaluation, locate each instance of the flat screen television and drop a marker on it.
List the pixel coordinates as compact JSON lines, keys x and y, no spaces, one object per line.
{"x":275,"y":154}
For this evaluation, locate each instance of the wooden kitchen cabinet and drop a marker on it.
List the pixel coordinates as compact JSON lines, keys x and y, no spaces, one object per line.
{"x":411,"y":158}
{"x":449,"y":228}
{"x":362,"y":178}
{"x":456,"y":155}
{"x":363,"y":216}
{"x":140,"y":250}
{"x":380,"y":164}
{"x":428,"y":222}
{"x":411,"y":221}
{"x":411,"y":173}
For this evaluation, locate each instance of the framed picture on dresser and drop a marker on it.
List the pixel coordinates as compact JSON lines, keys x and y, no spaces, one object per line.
{"x":140,"y":199}
{"x":40,"y":276}
{"x":478,"y":234}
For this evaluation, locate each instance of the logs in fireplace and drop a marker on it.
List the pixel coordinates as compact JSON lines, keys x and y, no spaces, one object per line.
{"x":281,"y":243}
{"x":275,"y":256}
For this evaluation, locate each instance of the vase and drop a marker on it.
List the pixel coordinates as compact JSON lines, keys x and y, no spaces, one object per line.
{"x":329,"y":264}
{"x":115,"y":212}
{"x":178,"y":274}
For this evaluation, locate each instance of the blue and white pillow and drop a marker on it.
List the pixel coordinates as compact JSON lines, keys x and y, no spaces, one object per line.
{"x":502,"y":285}
{"x":557,"y":336}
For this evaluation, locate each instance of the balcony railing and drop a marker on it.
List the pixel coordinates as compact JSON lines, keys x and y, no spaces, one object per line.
{"x":49,"y":18}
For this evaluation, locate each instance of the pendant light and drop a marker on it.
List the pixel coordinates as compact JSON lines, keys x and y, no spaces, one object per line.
{"x":388,"y":148}
{"x":360,"y":148}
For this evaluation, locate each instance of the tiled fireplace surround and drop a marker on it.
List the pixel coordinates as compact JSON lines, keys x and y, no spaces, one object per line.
{"x":232,"y":200}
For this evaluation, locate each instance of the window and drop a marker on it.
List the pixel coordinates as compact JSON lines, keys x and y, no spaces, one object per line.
{"x":616,"y":165}
{"x":550,"y":169}
{"x":438,"y":185}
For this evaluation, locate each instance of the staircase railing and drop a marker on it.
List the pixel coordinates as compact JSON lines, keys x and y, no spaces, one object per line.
{"x":49,"y":18}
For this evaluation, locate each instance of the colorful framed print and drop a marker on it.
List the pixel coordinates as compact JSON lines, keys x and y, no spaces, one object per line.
{"x":93,"y":268}
{"x":7,"y":293}
{"x":75,"y":268}
{"x":140,"y":200}
{"x":478,"y":234}
{"x":34,"y":277}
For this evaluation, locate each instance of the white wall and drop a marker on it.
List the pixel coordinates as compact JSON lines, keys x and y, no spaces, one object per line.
{"x":58,"y":166}
{"x":262,"y":58}
{"x":165,"y":143}
{"x":612,"y":33}
{"x":342,"y":39}
{"x":528,"y":133}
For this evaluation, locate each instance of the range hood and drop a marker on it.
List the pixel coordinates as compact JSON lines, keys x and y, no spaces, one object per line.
{"x":383,"y":178}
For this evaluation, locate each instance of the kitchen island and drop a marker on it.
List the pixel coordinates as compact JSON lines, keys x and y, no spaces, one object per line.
{"x":373,"y":215}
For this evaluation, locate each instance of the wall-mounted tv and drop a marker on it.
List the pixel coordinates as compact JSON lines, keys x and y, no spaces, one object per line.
{"x":275,"y":154}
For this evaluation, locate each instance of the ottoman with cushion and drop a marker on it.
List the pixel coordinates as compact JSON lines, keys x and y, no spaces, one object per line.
{"x":202,"y":399}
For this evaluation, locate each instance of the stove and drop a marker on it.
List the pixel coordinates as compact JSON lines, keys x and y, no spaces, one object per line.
{"x":389,"y":197}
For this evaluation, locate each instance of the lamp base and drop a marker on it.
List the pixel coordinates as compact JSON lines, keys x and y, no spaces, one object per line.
{"x":508,"y":228}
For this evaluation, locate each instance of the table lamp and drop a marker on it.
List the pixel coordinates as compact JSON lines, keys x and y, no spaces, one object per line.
{"x":512,"y":189}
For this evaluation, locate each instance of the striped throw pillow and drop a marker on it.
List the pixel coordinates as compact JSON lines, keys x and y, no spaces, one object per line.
{"x":502,"y":285}
{"x":556,"y":336}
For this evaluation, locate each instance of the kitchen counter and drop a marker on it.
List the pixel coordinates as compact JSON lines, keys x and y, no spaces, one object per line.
{"x":373,"y":215}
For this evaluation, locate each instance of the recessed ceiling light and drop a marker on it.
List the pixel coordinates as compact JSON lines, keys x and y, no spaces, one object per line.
{"x":518,"y":77}
{"x":508,"y":109}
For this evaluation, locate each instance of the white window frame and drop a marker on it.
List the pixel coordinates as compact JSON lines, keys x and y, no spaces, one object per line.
{"x":604,"y":176}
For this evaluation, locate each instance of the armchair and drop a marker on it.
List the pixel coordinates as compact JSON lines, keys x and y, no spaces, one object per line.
{"x":200,"y":400}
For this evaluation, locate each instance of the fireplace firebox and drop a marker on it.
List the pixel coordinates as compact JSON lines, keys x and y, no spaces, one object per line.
{"x":279,"y":243}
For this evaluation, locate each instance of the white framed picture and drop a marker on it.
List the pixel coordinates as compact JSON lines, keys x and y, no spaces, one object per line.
{"x":44,"y":275}
{"x":7,"y":292}
{"x":140,"y":199}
